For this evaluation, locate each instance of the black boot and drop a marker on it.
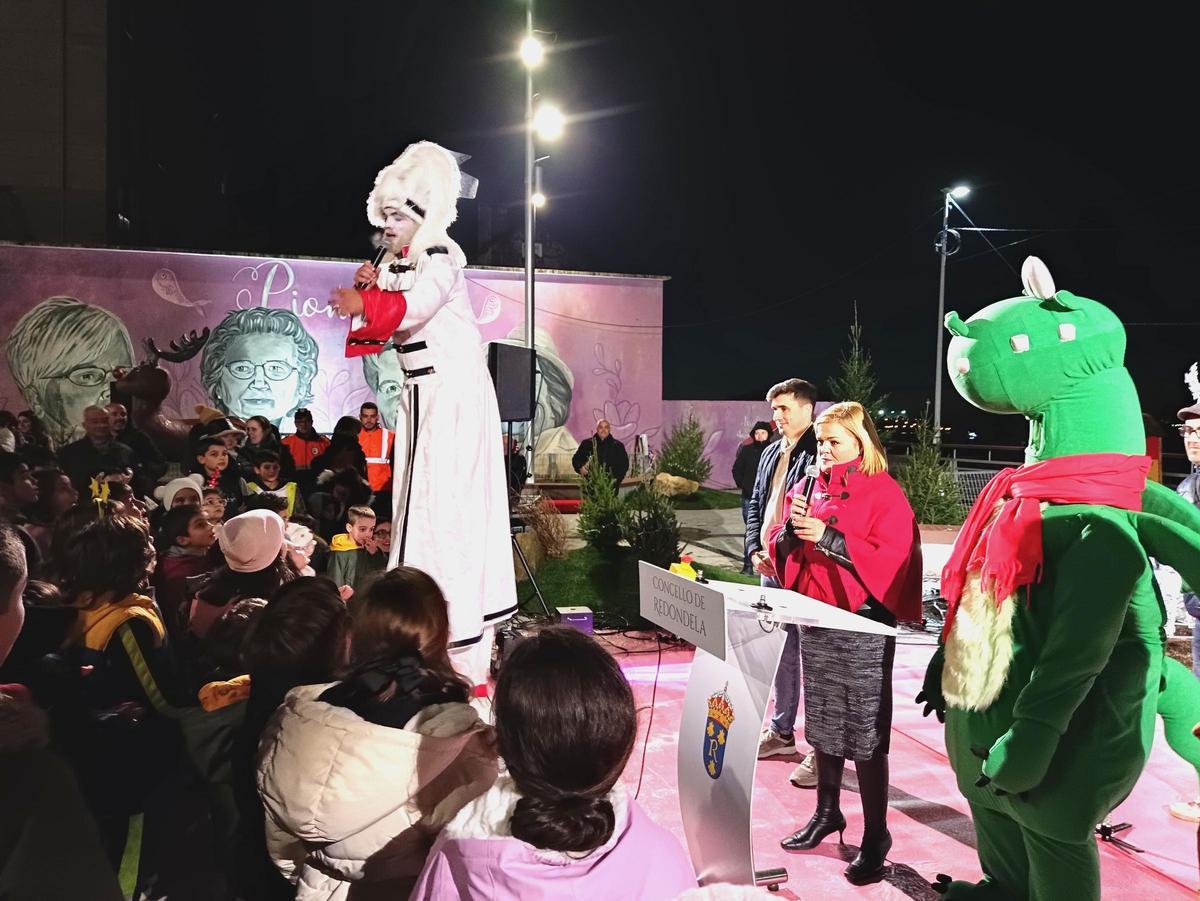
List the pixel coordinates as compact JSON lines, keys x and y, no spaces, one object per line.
{"x":870,"y":863}
{"x":828,"y":817}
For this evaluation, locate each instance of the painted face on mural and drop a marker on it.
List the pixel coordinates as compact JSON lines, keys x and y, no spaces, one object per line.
{"x":260,"y":376}
{"x":62,"y":354}
{"x":385,"y":377}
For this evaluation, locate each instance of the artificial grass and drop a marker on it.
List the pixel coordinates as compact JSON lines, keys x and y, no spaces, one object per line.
{"x":607,"y":583}
{"x":709,"y":499}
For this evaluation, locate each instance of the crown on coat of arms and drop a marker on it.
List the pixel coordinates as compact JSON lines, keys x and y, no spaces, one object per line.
{"x":719,"y":708}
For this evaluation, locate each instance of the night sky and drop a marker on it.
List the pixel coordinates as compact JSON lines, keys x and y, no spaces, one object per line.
{"x":778,"y":161}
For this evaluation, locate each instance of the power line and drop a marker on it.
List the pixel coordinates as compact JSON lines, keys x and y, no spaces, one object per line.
{"x":984,"y":236}
{"x":758,"y":311}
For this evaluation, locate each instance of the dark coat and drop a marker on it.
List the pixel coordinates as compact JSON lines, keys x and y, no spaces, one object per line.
{"x":745,"y":466}
{"x":81,"y":460}
{"x":804,"y":453}
{"x":611,"y":452}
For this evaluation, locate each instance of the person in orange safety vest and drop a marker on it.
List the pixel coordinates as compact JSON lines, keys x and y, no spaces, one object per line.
{"x":376,"y":443}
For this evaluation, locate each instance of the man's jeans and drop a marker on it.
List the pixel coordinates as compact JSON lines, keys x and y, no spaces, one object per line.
{"x":787,"y":677}
{"x":746,"y":567}
{"x":1191,"y":603}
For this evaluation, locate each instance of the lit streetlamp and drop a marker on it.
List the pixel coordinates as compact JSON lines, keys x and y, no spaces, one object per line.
{"x":547,"y":123}
{"x":949,"y":196}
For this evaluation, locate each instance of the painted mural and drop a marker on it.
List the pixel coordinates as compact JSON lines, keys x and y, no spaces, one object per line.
{"x":73,"y":315}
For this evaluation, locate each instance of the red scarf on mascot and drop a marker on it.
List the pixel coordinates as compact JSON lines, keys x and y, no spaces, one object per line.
{"x":1002,"y":537}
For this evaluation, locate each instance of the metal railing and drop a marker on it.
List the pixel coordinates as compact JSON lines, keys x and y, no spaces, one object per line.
{"x":997,"y":456}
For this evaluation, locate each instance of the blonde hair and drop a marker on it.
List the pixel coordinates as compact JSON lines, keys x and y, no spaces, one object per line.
{"x":857,"y":421}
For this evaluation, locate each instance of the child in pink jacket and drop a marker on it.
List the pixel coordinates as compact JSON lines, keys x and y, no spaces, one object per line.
{"x":558,"y":824}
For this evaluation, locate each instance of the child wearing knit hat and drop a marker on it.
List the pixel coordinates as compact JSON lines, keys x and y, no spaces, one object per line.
{"x":253,"y":545}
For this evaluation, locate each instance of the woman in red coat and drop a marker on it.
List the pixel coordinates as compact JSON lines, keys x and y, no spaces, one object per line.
{"x":856,"y":547}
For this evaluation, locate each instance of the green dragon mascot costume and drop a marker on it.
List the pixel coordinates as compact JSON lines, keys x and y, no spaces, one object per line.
{"x":1051,"y":669}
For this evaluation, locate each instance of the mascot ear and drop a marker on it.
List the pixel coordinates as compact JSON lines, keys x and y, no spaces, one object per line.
{"x":956,"y":326}
{"x":1036,"y":279}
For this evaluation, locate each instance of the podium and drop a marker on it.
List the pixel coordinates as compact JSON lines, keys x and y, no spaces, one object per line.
{"x":737,"y":631}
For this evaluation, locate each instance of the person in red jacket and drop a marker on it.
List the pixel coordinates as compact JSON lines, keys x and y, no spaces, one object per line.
{"x":855,"y":546}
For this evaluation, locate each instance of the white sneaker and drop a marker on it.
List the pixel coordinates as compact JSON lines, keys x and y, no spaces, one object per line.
{"x":772,"y":744}
{"x":805,"y":773}
{"x":1188,"y":811}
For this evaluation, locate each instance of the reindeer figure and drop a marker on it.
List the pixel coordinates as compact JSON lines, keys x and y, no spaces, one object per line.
{"x":148,"y":384}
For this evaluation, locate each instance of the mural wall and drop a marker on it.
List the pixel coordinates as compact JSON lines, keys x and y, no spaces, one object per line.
{"x":72,"y":315}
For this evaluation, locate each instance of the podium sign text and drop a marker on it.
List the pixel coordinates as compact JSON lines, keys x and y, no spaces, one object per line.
{"x":694,"y":612}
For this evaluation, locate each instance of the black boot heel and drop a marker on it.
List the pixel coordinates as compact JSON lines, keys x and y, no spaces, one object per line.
{"x":871,"y":861}
{"x":823,"y":823}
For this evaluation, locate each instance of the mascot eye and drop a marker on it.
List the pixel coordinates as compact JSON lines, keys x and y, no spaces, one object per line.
{"x":1019,"y":343}
{"x":1066,"y":332}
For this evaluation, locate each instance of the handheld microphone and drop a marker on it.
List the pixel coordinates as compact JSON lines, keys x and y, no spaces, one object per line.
{"x":812,"y":473}
{"x":380,"y":253}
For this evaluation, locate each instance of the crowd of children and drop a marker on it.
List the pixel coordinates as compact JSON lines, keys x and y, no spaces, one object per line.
{"x":224,"y":696}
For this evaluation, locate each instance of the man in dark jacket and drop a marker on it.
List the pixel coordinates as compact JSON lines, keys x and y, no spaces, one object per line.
{"x":781,"y":466}
{"x":96,"y":452}
{"x":745,"y":470}
{"x":609,"y":450}
{"x":150,"y":463}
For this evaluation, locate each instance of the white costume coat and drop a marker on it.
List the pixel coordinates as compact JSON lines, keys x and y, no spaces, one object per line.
{"x":450,"y":485}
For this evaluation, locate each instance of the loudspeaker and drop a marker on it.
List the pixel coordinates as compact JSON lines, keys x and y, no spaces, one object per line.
{"x":512,"y":371}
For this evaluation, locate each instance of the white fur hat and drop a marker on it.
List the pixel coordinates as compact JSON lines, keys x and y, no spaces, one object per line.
{"x":252,"y":541}
{"x":166,"y":493}
{"x":424,"y":182}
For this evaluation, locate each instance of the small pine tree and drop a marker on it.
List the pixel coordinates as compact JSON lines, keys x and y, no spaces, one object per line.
{"x":929,"y":481}
{"x":649,"y":524}
{"x":682,"y":453}
{"x":856,"y":380}
{"x":599,"y":507}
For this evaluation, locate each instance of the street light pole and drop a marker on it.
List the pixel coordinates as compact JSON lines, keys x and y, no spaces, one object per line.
{"x":943,"y":241}
{"x":949,"y":195}
{"x":529,"y":163}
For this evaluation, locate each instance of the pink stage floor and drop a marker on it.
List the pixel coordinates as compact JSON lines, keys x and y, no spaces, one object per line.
{"x":929,"y":821}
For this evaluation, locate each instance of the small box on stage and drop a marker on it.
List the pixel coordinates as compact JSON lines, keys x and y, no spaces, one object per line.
{"x":576,"y":617}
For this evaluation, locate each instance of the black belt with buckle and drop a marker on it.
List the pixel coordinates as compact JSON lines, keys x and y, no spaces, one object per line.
{"x":411,"y":348}
{"x":415,"y":373}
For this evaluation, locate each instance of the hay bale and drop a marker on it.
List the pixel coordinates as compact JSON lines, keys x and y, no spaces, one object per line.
{"x":531,"y":547}
{"x":675,"y":486}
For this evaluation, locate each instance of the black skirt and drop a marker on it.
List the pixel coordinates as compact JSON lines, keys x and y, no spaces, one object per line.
{"x":848,"y":690}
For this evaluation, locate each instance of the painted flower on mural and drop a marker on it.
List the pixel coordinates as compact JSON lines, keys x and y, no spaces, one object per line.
{"x":623,"y":415}
{"x":333,"y":398}
{"x":187,"y":391}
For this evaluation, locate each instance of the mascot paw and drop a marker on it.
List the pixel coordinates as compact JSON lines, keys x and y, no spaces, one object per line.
{"x":931,"y":707}
{"x":931,"y":688}
{"x":1019,"y":759}
{"x":957,"y":890}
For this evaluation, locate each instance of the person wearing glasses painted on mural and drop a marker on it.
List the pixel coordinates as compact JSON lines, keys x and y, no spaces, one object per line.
{"x":62,"y":354}
{"x":449,"y":487}
{"x":385,"y":377}
{"x":260,"y":362}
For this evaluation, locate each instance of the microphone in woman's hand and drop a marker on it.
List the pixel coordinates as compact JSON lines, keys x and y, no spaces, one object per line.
{"x":812,"y":473}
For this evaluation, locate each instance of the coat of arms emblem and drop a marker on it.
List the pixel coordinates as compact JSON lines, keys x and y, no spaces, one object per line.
{"x":716,"y":732}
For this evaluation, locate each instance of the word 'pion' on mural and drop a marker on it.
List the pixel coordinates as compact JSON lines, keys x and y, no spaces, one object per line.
{"x":681,"y":615}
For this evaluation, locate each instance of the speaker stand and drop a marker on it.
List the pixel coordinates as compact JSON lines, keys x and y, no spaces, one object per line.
{"x":528,"y":572}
